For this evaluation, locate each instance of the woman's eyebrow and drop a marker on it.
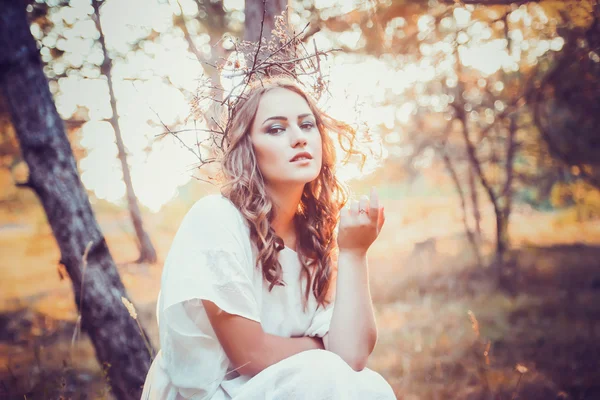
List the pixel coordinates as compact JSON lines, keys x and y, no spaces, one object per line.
{"x":280,"y":118}
{"x":275,"y":118}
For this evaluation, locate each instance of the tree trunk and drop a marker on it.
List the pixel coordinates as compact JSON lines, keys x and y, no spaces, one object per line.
{"x":54,"y":178}
{"x":215,"y":23}
{"x":501,"y":236}
{"x":216,"y":29}
{"x":475,"y":204}
{"x":147,"y":252}
{"x":507,"y":191}
{"x":254,"y":12}
{"x":476,"y":165}
{"x":463,"y":206}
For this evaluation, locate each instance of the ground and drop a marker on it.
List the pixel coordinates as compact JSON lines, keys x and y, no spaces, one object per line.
{"x":446,"y":331}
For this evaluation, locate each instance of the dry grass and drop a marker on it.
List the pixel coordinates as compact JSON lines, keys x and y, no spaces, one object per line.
{"x":536,"y":341}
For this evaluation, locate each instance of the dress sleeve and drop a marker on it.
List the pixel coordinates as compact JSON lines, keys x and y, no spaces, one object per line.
{"x":207,"y":261}
{"x":319,"y":325}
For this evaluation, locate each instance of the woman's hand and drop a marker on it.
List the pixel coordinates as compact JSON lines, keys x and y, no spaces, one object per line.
{"x":360,"y":224}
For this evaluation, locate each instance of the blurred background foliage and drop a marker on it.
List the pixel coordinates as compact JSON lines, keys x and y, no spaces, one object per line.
{"x":484,"y":118}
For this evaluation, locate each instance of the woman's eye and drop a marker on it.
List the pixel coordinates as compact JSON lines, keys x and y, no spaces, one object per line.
{"x":274,"y":130}
{"x":307,"y":125}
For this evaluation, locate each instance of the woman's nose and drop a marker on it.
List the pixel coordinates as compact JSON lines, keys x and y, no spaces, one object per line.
{"x":298,"y":137}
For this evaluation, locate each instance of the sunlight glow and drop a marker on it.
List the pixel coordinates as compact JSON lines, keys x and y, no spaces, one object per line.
{"x":154,"y":86}
{"x":462,"y":17}
{"x":488,"y":57}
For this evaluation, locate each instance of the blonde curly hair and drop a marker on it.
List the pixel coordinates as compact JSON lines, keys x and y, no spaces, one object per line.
{"x":320,"y":204}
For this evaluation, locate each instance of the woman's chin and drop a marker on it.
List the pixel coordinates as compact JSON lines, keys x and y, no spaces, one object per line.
{"x":308,"y":177}
{"x":295,"y":180}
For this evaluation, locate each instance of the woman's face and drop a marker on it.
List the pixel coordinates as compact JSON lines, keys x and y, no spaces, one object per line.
{"x":286,"y":140}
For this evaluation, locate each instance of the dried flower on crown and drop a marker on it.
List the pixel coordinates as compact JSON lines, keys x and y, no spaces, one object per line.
{"x":284,"y":54}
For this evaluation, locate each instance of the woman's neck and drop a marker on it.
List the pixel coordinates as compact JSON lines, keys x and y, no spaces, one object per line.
{"x":285,"y":201}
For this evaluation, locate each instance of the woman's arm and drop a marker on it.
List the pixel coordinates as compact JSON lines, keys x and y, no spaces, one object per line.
{"x":352,"y":332}
{"x":248,"y":347}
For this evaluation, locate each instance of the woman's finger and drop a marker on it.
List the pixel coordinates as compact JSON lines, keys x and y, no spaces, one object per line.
{"x":344,"y":211}
{"x":374,"y":198}
{"x":354,"y":207}
{"x":381,"y":218}
{"x":374,"y":205}
{"x":363,"y":205}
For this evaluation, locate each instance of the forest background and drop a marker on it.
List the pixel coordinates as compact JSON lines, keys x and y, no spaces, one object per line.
{"x":482,"y":121}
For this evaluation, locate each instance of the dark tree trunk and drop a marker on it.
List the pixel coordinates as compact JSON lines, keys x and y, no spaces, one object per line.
{"x":54,"y":178}
{"x":254,"y":12}
{"x":147,"y":252}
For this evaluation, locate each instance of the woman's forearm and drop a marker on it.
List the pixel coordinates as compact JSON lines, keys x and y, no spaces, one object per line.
{"x":275,"y":348}
{"x":352,"y":332}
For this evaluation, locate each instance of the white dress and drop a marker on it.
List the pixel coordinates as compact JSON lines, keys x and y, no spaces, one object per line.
{"x":212,"y":258}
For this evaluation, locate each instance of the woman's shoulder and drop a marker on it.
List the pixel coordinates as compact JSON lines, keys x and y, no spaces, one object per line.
{"x":217,"y":211}
{"x":214,"y":203}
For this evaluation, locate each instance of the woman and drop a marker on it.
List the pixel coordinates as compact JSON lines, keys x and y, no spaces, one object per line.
{"x":246,"y":303}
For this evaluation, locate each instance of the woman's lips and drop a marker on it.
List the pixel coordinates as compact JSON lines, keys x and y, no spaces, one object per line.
{"x":300,"y":156}
{"x":301,"y":161}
